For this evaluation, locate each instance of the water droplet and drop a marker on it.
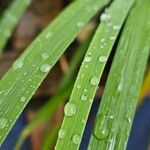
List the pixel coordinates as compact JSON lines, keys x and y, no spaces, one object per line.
{"x":116,"y":27}
{"x":94,"y":80}
{"x":85,"y":90}
{"x":78,"y":86}
{"x":62,"y":133}
{"x":45,"y":68}
{"x":48,"y":35}
{"x":101,"y":130}
{"x":102,"y":59}
{"x":84,"y":97}
{"x":111,"y":117}
{"x":3,"y":123}
{"x":80,"y":24}
{"x":76,"y":139}
{"x":17,"y":64}
{"x":87,"y":59}
{"x":102,"y":40}
{"x":83,"y":121}
{"x":120,"y":87}
{"x":90,"y":100}
{"x":23,"y":99}
{"x":70,"y":109}
{"x":105,"y":17}
{"x":44,"y":56}
{"x":112,"y":38}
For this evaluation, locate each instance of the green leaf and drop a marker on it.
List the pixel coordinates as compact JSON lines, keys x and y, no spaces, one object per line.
{"x":27,"y":73}
{"x":77,"y":110}
{"x":118,"y":104}
{"x":63,"y":93}
{"x":10,"y":18}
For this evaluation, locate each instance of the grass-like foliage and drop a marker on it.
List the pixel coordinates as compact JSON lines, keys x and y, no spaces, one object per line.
{"x":78,"y":107}
{"x":10,"y":18}
{"x":27,"y":73}
{"x":123,"y":85}
{"x":115,"y":115}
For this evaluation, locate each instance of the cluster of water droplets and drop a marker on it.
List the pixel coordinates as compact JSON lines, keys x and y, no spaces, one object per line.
{"x":18,"y":64}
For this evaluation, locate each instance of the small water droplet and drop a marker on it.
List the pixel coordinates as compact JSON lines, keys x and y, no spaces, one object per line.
{"x":116,"y":27}
{"x":45,"y":68}
{"x":84,"y":97}
{"x":102,"y":59}
{"x":80,"y":24}
{"x":76,"y":139}
{"x":70,"y":109}
{"x":94,"y":80}
{"x":3,"y":123}
{"x":90,"y":100}
{"x":102,"y":40}
{"x":62,"y":133}
{"x":112,"y":38}
{"x":23,"y":99}
{"x":111,"y":117}
{"x":44,"y":56}
{"x":120,"y":87}
{"x":78,"y":86}
{"x":87,"y":58}
{"x":105,"y":17}
{"x":48,"y":35}
{"x":17,"y":64}
{"x":85,"y":90}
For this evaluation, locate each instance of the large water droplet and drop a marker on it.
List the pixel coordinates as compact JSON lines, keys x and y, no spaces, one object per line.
{"x":3,"y":123}
{"x":76,"y":139}
{"x":102,"y":59}
{"x":70,"y":109}
{"x":101,"y":130}
{"x":62,"y":133}
{"x":45,"y":68}
{"x":94,"y":81}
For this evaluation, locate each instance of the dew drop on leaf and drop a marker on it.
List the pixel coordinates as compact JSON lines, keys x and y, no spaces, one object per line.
{"x":94,"y":81}
{"x":101,"y":130}
{"x":18,"y":64}
{"x":70,"y":109}
{"x":45,"y":68}
{"x":23,"y":99}
{"x":102,"y":59}
{"x":3,"y":123}
{"x":44,"y":56}
{"x":78,"y":86}
{"x":87,"y":58}
{"x":105,"y":17}
{"x":80,"y":24}
{"x":48,"y":35}
{"x":76,"y":139}
{"x":84,"y":97}
{"x":116,"y":27}
{"x":62,"y":133}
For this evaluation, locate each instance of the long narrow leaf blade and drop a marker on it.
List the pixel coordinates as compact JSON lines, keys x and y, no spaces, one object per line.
{"x":27,"y":73}
{"x":118,"y":104}
{"x":77,"y":110}
{"x":10,"y":18}
{"x":62,"y":94}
